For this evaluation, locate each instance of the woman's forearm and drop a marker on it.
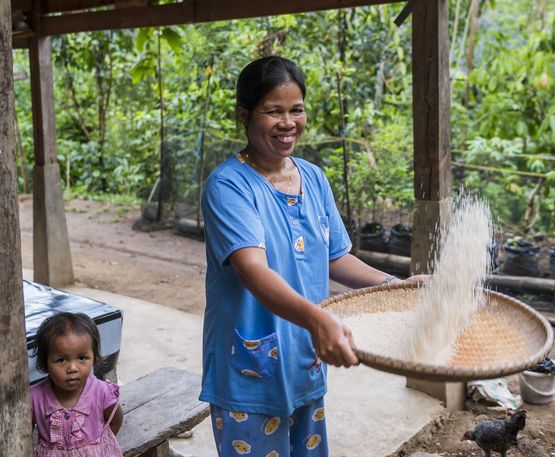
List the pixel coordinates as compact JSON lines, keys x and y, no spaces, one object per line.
{"x":331,"y":338}
{"x":353,"y":272}
{"x":278,"y":296}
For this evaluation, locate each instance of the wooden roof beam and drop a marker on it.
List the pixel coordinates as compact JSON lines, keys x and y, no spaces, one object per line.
{"x":120,"y":18}
{"x":186,"y":12}
{"x":56,"y":6}
{"x":20,"y":41}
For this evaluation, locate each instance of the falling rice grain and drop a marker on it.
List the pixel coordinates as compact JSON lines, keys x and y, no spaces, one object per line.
{"x":446,"y":303}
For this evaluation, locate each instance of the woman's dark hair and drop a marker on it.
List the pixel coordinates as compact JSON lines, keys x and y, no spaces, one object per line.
{"x":262,"y":75}
{"x":60,"y":325}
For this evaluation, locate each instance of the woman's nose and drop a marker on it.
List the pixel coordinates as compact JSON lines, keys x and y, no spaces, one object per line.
{"x":286,"y":121}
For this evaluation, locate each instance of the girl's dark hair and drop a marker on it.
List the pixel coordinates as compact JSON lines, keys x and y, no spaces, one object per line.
{"x":262,"y":75}
{"x":60,"y":325}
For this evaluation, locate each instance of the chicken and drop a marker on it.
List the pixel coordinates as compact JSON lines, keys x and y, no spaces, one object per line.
{"x":497,"y":435}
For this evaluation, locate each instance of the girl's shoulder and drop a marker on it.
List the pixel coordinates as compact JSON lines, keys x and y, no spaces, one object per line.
{"x":39,"y":385}
{"x":40,"y":389}
{"x":100,"y":388}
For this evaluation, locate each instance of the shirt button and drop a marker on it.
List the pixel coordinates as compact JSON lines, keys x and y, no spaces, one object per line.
{"x":295,"y":222}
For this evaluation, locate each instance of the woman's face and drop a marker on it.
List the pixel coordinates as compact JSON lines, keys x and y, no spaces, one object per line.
{"x":275,"y":125}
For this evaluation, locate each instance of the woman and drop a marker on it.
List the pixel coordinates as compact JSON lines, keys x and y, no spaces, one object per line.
{"x":274,"y":237}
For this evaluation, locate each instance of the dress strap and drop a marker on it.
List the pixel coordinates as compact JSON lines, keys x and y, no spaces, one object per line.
{"x":112,"y":414}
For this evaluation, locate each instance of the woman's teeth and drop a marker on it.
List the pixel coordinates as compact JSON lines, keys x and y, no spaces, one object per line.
{"x":286,"y":139}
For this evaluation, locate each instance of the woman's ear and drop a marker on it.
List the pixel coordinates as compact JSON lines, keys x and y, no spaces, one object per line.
{"x":242,"y":115}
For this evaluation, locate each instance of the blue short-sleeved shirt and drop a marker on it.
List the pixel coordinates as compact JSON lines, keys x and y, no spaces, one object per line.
{"x":253,"y":360}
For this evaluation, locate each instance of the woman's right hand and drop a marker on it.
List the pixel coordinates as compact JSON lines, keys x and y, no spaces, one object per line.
{"x":333,"y":340}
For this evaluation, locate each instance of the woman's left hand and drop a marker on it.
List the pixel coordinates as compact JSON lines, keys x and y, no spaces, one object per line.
{"x":417,"y":279}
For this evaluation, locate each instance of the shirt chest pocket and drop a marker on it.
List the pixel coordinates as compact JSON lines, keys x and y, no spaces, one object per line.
{"x":255,"y":358}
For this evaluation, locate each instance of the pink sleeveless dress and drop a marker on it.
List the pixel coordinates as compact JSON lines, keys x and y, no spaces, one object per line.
{"x":105,"y":445}
{"x":79,"y":431}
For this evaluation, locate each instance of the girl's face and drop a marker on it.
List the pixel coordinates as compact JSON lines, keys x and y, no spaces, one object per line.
{"x":275,"y":125}
{"x":70,"y":361}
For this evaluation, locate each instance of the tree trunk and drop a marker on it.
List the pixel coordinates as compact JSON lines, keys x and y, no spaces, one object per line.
{"x":104,"y":89}
{"x":165,"y":191}
{"x":15,"y":418}
{"x":474,"y":18}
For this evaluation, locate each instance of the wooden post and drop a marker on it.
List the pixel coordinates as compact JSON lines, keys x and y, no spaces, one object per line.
{"x":15,"y":416}
{"x":432,"y":131}
{"x":51,"y":251}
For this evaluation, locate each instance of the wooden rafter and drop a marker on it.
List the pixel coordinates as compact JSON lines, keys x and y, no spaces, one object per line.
{"x":78,"y":17}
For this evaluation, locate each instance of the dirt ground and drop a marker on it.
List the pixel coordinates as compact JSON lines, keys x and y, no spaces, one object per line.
{"x":165,"y":268}
{"x":108,"y":254}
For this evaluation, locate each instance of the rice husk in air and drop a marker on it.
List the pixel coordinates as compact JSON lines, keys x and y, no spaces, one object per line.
{"x":446,"y":303}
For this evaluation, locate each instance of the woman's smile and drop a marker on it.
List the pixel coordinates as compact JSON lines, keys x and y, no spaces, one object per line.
{"x":275,"y":125}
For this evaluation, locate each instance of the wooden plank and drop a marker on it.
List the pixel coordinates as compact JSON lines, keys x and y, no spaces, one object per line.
{"x":431,"y":131}
{"x":51,"y":6}
{"x":162,"y":450}
{"x":431,"y":128}
{"x":20,"y":42}
{"x":158,"y":407}
{"x":42,"y":94}
{"x":217,"y":10}
{"x":186,"y":12}
{"x":431,"y":112}
{"x":15,"y":414}
{"x":427,"y":216}
{"x":149,"y":16}
{"x":22,"y":5}
{"x":154,"y":385}
{"x":51,"y":251}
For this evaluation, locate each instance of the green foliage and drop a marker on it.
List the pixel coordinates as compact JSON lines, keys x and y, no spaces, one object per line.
{"x":503,"y":111}
{"x":125,"y":201}
{"x":108,"y":102}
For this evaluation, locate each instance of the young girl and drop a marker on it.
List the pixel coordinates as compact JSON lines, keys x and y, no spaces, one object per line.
{"x":76,"y":414}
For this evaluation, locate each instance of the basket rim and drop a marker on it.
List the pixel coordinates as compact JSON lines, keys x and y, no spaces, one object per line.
{"x":444,"y":372}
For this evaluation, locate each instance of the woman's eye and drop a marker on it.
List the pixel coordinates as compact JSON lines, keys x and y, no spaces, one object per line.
{"x":84,"y":357}
{"x":60,"y":360}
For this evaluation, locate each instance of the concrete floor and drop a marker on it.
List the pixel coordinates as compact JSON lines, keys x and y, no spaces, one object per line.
{"x":369,"y":413}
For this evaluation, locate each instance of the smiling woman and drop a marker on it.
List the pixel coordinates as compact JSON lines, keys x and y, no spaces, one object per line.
{"x":274,"y":237}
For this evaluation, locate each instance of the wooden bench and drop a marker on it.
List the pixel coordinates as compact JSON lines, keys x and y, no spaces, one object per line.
{"x":157,"y":407}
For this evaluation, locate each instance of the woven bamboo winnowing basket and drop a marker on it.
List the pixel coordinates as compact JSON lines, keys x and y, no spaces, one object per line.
{"x":505,"y":336}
